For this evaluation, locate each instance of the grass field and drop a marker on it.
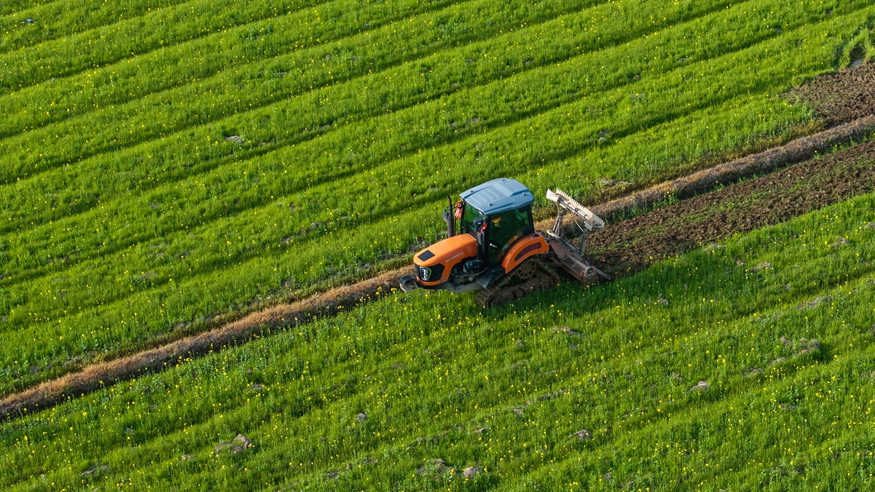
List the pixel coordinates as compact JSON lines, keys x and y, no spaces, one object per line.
{"x":166,"y":166}
{"x":745,"y":365}
{"x":270,"y":162}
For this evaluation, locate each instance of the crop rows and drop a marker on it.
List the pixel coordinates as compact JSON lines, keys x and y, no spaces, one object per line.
{"x":53,"y":20}
{"x":741,"y":365}
{"x":308,"y":115}
{"x":262,"y":50}
{"x":43,"y":198}
{"x":110,"y":43}
{"x":144,"y":250}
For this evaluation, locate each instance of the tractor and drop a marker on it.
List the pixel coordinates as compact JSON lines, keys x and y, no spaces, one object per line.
{"x":492,"y":246}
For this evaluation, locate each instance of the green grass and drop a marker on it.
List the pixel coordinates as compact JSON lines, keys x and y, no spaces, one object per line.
{"x":133,"y":217}
{"x":53,"y":20}
{"x":64,"y":40}
{"x":129,"y":212}
{"x":505,"y":389}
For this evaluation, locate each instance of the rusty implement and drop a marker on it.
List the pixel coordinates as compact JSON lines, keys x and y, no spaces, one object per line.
{"x":567,"y":256}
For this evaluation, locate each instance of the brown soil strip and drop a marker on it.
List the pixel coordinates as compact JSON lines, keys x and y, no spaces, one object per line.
{"x":632,"y":245}
{"x":763,"y":163}
{"x":621,"y":249}
{"x":840,"y":97}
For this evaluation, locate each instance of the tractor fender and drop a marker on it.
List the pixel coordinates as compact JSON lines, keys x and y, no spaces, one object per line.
{"x":523,"y":249}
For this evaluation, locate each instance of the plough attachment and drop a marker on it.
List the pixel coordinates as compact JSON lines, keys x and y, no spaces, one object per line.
{"x":565,"y":254}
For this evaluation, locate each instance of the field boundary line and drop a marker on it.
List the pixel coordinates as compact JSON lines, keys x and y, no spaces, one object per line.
{"x":329,"y":303}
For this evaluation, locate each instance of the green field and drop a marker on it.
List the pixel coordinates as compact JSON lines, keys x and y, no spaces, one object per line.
{"x":166,"y":166}
{"x":785,"y":351}
{"x":131,"y":212}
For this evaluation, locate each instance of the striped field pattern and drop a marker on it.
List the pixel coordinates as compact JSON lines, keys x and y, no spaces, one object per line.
{"x":168,"y":165}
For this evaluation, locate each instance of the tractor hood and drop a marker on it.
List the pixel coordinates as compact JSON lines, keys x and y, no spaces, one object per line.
{"x":448,"y":251}
{"x":435,"y":262}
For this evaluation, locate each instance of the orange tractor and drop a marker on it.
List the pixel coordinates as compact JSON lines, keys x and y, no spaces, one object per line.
{"x":492,"y":246}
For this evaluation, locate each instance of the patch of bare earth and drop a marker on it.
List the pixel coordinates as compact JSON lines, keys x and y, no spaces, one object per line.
{"x":627,"y":247}
{"x":840,"y":97}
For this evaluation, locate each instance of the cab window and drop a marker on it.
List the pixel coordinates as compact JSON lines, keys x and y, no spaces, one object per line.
{"x":505,"y":228}
{"x":468,"y":215}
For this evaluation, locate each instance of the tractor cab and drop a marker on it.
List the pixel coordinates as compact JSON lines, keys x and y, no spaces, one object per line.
{"x":484,"y":226}
{"x":496,"y":213}
{"x":492,"y":246}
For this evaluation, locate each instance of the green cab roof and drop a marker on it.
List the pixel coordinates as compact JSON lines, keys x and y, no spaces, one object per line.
{"x":498,"y":195}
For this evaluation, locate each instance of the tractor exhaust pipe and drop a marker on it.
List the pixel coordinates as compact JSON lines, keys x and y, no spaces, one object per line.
{"x":450,"y":219}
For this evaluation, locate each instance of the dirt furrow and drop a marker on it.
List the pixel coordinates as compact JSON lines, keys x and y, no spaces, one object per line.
{"x":634,"y":244}
{"x":762,"y":163}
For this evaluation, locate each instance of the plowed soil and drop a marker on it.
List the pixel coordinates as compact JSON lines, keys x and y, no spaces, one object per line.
{"x":840,"y":97}
{"x":845,"y":96}
{"x":626,"y":247}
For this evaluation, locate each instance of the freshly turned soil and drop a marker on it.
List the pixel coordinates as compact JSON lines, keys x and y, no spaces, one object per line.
{"x":840,"y":97}
{"x":627,"y":246}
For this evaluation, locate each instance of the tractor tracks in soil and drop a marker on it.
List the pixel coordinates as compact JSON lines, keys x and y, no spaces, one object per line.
{"x":792,"y":183}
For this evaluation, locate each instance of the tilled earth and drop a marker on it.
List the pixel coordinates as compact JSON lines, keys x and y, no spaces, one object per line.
{"x":627,"y":246}
{"x":842,"y":96}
